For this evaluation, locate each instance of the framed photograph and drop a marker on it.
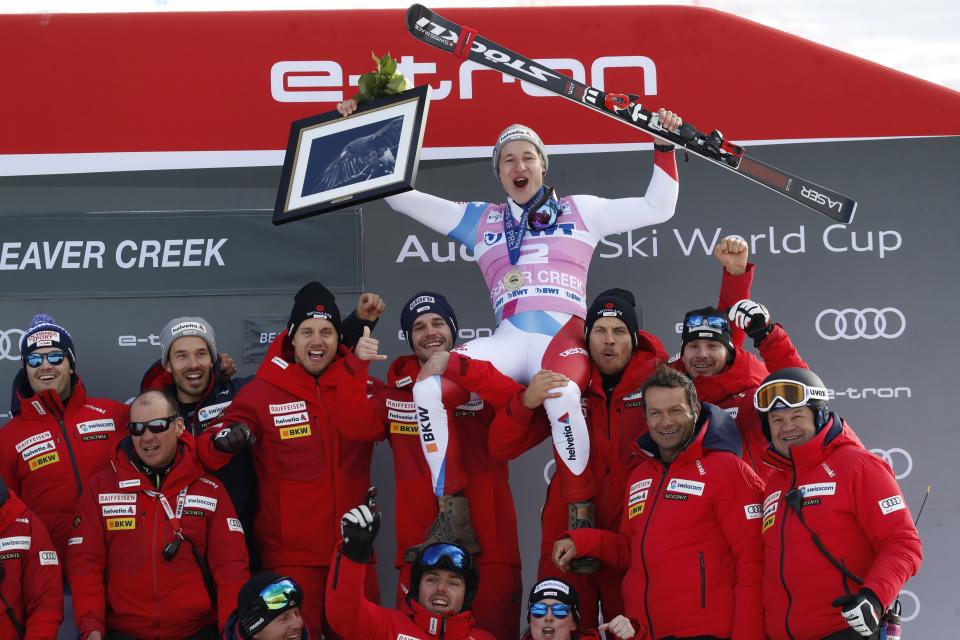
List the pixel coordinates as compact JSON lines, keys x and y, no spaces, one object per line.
{"x":334,"y":162}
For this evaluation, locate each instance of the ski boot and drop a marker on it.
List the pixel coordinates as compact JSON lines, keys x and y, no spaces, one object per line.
{"x":580,"y":516}
{"x":453,"y":524}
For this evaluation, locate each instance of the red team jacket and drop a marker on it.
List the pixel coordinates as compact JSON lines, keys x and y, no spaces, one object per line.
{"x":118,"y":577}
{"x":48,"y":451}
{"x":309,"y":475}
{"x":689,"y":538}
{"x":515,"y":430}
{"x":351,"y":615}
{"x":853,"y":503}
{"x":488,"y":481}
{"x":32,"y":581}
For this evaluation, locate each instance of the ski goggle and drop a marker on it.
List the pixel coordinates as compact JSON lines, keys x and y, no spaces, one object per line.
{"x":157,"y":425}
{"x":55,"y":358}
{"x":281,"y":595}
{"x":545,"y":215}
{"x":559,"y":609}
{"x":445,"y":554}
{"x":718,"y":323}
{"x":786,"y":394}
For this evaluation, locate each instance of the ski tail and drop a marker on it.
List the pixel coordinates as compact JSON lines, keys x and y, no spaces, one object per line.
{"x":821,"y":199}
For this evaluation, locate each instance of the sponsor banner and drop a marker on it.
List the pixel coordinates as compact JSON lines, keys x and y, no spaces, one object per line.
{"x":818,"y":489}
{"x":117,"y":498}
{"x":642,"y":484}
{"x":233,"y":524}
{"x":92,"y":426}
{"x":753,"y":511}
{"x":637,"y":497}
{"x":123,"y":484}
{"x":299,"y":431}
{"x":400,"y":405}
{"x":121,"y":254}
{"x":635,"y":510}
{"x":289,"y":419}
{"x":405,"y":428}
{"x":121,"y":524}
{"x":403,"y":416}
{"x":283,"y":76}
{"x":891,"y":504}
{"x":212,"y":411}
{"x":692,"y":487}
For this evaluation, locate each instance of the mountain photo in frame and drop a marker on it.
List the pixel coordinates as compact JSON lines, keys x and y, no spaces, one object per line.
{"x":333,"y":162}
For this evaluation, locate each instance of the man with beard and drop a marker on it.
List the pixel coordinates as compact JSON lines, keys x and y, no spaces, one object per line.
{"x":430,"y":325}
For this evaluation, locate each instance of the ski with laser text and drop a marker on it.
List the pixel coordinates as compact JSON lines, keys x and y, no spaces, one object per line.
{"x":437,"y":31}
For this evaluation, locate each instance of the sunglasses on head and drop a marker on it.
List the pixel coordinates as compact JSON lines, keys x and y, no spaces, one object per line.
{"x":157,"y":425}
{"x":559,"y":609}
{"x":55,"y":358}
{"x":714,"y":322}
{"x":435,"y":554}
{"x":280,"y":595}
{"x":785,"y":394}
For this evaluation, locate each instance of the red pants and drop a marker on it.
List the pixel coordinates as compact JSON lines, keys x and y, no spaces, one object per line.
{"x":313,"y":582}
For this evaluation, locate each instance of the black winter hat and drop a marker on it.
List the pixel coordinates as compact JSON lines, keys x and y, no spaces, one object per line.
{"x":313,"y":301}
{"x":614,"y":303}
{"x":45,"y":332}
{"x":252,"y":614}
{"x":427,"y":302}
{"x":714,"y":326}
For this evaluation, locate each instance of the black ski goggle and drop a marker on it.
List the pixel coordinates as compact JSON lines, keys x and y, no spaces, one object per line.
{"x":545,"y":216}
{"x":157,"y":425}
{"x":559,"y":609}
{"x":714,"y":322}
{"x":55,"y":358}
{"x":281,"y":595}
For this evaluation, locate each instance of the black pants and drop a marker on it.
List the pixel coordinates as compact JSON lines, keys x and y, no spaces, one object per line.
{"x":207,"y":633}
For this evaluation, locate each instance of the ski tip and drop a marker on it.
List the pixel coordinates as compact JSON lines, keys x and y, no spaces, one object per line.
{"x":414,"y":13}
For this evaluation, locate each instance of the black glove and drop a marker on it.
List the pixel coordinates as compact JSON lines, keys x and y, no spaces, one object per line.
{"x":234,"y":437}
{"x":359,"y":528}
{"x":861,"y":611}
{"x":753,"y":318}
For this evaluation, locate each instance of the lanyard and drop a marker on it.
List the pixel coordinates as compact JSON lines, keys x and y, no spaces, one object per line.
{"x":174,"y":518}
{"x":514,"y":230}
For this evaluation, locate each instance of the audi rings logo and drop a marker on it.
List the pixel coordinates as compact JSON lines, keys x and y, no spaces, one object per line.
{"x":899,"y":460}
{"x":10,"y":344}
{"x":869,"y":323}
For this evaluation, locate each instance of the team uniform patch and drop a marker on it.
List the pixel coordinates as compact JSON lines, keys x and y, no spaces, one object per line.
{"x":73,"y":541}
{"x":15,"y":543}
{"x":891,"y":504}
{"x":676,"y":496}
{"x":818,"y":489}
{"x":691,"y":487}
{"x":49,"y":558}
{"x":116,"y":510}
{"x":299,"y":431}
{"x":635,"y":510}
{"x":200,"y":502}
{"x":32,"y":440}
{"x":94,"y":436}
{"x":94,"y":426}
{"x":234,"y":525}
{"x":640,"y":496}
{"x":44,"y":460}
{"x":37,"y":449}
{"x":117,"y":498}
{"x":405,"y":428}
{"x":129,"y":483}
{"x":290,"y":419}
{"x":401,"y":416}
{"x":287,"y":407}
{"x":642,"y":484}
{"x":121,"y":524}
{"x":753,"y":511}
{"x":768,"y":522}
{"x":212,"y":411}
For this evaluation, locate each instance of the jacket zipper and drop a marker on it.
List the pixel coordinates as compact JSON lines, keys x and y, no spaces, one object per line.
{"x":73,"y":459}
{"x":152,"y":544}
{"x":783,"y":537}
{"x":703,"y":583}
{"x":643,"y":555}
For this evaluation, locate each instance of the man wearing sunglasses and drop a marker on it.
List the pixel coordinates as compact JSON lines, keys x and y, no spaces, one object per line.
{"x":59,"y":436}
{"x":308,"y":472}
{"x":622,"y":357}
{"x":268,"y":608}
{"x":157,"y":550}
{"x":839,"y":542}
{"x":726,"y":374}
{"x":690,"y":531}
{"x":443,"y":584}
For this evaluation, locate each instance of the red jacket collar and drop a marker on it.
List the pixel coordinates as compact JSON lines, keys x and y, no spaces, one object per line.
{"x":451,"y":628}
{"x":12,"y":509}
{"x":279,"y":369}
{"x":184,"y":470}
{"x":834,"y":435}
{"x":403,"y":371}
{"x":649,"y":350}
{"x":48,"y":402}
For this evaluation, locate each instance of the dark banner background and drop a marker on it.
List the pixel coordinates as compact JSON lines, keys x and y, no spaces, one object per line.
{"x":897,"y":257}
